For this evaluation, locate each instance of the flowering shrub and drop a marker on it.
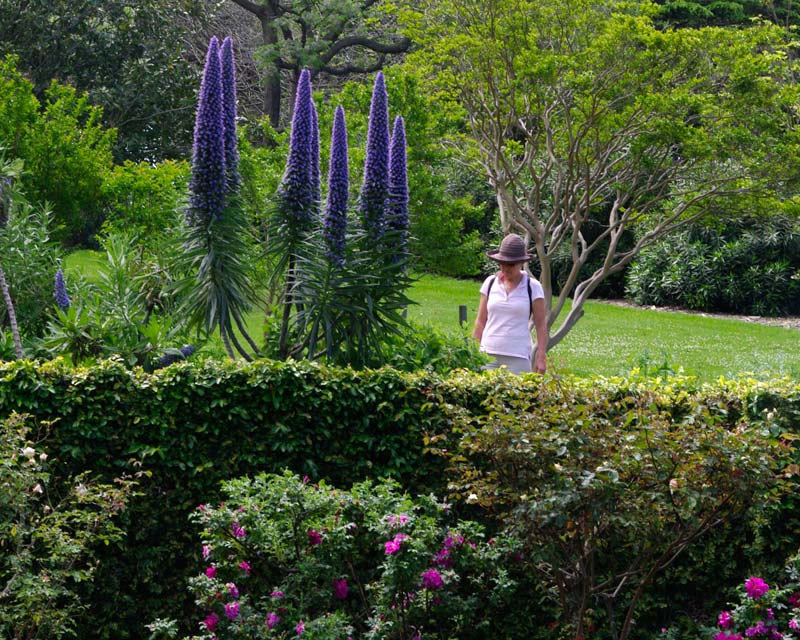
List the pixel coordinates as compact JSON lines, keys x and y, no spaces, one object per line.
{"x":763,"y":611}
{"x":288,"y":558}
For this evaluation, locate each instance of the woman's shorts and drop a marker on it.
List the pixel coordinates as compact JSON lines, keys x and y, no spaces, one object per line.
{"x":513,"y":364}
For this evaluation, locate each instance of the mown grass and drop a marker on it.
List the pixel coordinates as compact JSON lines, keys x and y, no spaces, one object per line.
{"x":609,"y":340}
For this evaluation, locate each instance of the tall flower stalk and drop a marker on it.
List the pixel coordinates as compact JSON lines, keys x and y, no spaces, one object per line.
{"x":335,"y":220}
{"x":6,"y":202}
{"x":60,"y":292}
{"x":397,"y":199}
{"x":375,"y":187}
{"x":220,"y":292}
{"x":316,"y":188}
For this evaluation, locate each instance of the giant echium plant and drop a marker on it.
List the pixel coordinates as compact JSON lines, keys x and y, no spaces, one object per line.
{"x":375,"y":187}
{"x":397,"y":198}
{"x":218,"y":291}
{"x":8,"y":173}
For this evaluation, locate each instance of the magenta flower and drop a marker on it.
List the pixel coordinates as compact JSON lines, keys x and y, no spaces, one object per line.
{"x":211,"y":621}
{"x":794,"y":625}
{"x":206,"y":551}
{"x":725,"y":619}
{"x":245,"y":566}
{"x":201,"y":507}
{"x":211,"y":572}
{"x":300,"y":628}
{"x":233,"y":591}
{"x":314,"y":537}
{"x":794,"y":599}
{"x":755,"y":587}
{"x":277,"y":594}
{"x":232,"y":610}
{"x":442,"y":559}
{"x":728,"y":636}
{"x":238,"y":531}
{"x":272,"y":620}
{"x":393,"y":546}
{"x":340,"y":588}
{"x":431,"y":579}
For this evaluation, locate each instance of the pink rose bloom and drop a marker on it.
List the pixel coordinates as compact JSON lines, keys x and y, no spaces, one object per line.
{"x":211,"y":621}
{"x":431,"y":579}
{"x":272,"y":620}
{"x":211,"y":572}
{"x":232,"y":610}
{"x":393,"y":546}
{"x":725,"y":619}
{"x":728,"y":636}
{"x":277,"y":594}
{"x":233,"y":591}
{"x":340,"y":588}
{"x":238,"y":531}
{"x":755,"y":587}
{"x":314,"y":537}
{"x":794,"y":625}
{"x":206,"y":551}
{"x":245,"y":566}
{"x":300,"y":628}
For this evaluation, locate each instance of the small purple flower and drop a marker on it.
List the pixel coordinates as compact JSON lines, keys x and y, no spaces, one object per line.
{"x":211,"y":572}
{"x":432,"y":579}
{"x":725,"y":620}
{"x":340,"y":588}
{"x":238,"y":531}
{"x":442,"y":559}
{"x":393,"y":545}
{"x":755,"y":587}
{"x":211,"y":621}
{"x":245,"y":566}
{"x":60,"y":292}
{"x":300,"y":628}
{"x":233,"y":591}
{"x":314,"y":537}
{"x":272,"y":620}
{"x":232,"y":610}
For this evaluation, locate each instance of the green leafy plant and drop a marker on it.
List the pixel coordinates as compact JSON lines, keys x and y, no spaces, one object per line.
{"x":48,"y":530}
{"x":287,"y":557}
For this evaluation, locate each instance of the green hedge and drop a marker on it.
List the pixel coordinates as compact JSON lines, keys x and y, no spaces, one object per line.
{"x":193,"y":425}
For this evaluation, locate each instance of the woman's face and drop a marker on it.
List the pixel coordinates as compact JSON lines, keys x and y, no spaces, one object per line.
{"x":510,"y":269}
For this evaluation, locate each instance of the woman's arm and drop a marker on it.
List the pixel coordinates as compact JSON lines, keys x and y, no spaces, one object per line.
{"x":540,"y":322}
{"x":480,"y":320}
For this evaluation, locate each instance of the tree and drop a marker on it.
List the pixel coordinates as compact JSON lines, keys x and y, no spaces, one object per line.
{"x":128,"y":56}
{"x":586,"y":111}
{"x":335,"y":37}
{"x":699,"y":13}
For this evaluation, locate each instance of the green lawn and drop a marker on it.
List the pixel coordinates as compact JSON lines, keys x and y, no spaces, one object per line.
{"x":609,"y":340}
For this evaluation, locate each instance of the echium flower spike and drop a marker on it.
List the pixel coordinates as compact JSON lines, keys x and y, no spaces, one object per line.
{"x":315,"y":177}
{"x":397,"y":200}
{"x":60,"y":292}
{"x":335,"y":221}
{"x":296,"y":192}
{"x":229,"y":115}
{"x":208,"y":185}
{"x":375,"y":187}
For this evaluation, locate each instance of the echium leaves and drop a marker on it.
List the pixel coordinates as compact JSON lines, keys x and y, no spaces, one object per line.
{"x":335,"y":222}
{"x":60,"y":292}
{"x":209,"y":184}
{"x":375,"y":187}
{"x":229,"y":114}
{"x":297,"y":191}
{"x":397,"y":200}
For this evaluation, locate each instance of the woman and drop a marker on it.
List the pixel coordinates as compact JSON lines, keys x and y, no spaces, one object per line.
{"x":510,"y":301}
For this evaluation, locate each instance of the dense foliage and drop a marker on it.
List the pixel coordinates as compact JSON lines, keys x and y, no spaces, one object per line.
{"x":193,"y":425}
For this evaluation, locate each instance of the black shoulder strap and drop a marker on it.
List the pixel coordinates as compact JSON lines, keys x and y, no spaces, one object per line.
{"x":530,"y":291}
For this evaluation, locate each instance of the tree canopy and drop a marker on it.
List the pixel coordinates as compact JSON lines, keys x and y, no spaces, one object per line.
{"x":587,"y":113}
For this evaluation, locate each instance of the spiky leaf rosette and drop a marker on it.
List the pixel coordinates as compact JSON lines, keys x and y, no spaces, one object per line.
{"x":375,"y":187}
{"x":335,"y":220}
{"x":229,"y":115}
{"x":397,"y":200}
{"x":208,"y":187}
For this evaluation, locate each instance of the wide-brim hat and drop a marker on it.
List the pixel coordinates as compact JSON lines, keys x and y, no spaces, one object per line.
{"x":512,"y":249}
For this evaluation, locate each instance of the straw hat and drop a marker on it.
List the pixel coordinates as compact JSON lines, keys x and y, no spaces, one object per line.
{"x":512,"y":249}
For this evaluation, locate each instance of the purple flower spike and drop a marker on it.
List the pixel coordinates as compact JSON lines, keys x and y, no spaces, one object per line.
{"x":208,"y":185}
{"x":60,"y":292}
{"x":229,"y":114}
{"x":335,"y":222}
{"x":315,"y":185}
{"x":397,"y":201}
{"x":375,"y":187}
{"x":296,"y":191}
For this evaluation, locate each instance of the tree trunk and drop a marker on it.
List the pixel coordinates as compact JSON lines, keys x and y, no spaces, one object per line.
{"x":272,"y":79}
{"x":12,"y":316}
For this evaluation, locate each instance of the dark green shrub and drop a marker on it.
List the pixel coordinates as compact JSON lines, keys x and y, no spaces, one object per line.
{"x":752,"y":267}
